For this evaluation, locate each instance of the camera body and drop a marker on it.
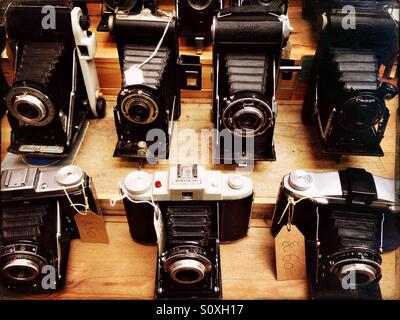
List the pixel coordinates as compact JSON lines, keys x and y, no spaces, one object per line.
{"x":348,"y":218}
{"x":152,"y":100}
{"x":197,"y":209}
{"x":55,"y":86}
{"x":37,"y":224}
{"x":195,"y":19}
{"x":345,"y":94}
{"x":245,"y":73}
{"x":125,"y":6}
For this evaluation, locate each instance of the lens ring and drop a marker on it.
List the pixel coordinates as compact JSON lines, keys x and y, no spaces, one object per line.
{"x":148,"y":112}
{"x":199,"y":5}
{"x":361,"y":112}
{"x":21,"y":270}
{"x":252,"y":107}
{"x":20,"y":99}
{"x":365,"y":263}
{"x":187,"y":271}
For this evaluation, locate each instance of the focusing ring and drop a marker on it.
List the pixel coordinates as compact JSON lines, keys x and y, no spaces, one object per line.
{"x":186,"y":264}
{"x":251,"y":105}
{"x":367,"y":100}
{"x":362,"y":261}
{"x":139,"y":98}
{"x":21,"y":263}
{"x":19,"y":97}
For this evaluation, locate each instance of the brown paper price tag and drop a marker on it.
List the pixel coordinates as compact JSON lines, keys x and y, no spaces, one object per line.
{"x":91,"y":227}
{"x":290,"y":254}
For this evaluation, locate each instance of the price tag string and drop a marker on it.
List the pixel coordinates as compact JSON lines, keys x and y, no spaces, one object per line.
{"x":290,"y":206}
{"x":75,"y":205}
{"x":125,"y":195}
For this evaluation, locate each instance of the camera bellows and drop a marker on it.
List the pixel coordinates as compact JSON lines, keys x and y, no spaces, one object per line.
{"x":153,"y":70}
{"x":189,"y":224}
{"x":21,"y":223}
{"x":356,"y":71}
{"x":46,"y":65}
{"x":246,"y":72}
{"x":355,"y":229}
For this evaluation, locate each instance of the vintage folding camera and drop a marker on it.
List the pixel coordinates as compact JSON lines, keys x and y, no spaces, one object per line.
{"x":271,"y":4}
{"x":127,"y":6}
{"x":55,"y":86}
{"x":196,"y":210}
{"x":245,"y":70}
{"x":345,"y":95}
{"x":149,"y":100}
{"x":348,"y":217}
{"x":195,"y":19}
{"x":37,"y":224}
{"x":313,"y":8}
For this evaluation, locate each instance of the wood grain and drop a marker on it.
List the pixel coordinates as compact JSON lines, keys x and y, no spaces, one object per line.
{"x":125,"y":269}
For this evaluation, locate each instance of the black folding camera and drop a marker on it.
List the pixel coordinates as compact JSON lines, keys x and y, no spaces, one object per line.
{"x":196,"y":210}
{"x":348,"y":218}
{"x":345,"y":95}
{"x":245,"y":71}
{"x":195,"y":19}
{"x":271,"y":4}
{"x":313,"y":8}
{"x":55,"y":85}
{"x":149,"y":101}
{"x":127,"y":6}
{"x":37,"y":224}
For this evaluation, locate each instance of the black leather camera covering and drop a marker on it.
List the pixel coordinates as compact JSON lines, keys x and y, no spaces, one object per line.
{"x":20,"y":28}
{"x":235,"y":25}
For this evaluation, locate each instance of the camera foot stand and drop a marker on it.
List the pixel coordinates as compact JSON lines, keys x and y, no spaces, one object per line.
{"x":199,"y":44}
{"x":15,"y":161}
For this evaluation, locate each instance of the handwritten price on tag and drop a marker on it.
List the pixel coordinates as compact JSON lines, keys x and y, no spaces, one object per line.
{"x":290,"y":254}
{"x":91,"y":227}
{"x":290,"y":259}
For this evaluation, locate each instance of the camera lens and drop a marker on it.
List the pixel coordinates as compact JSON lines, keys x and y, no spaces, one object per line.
{"x":139,"y":111}
{"x":250,"y":116}
{"x":187,"y":271}
{"x":28,"y":111}
{"x":248,"y":121}
{"x":358,"y":274}
{"x":361,"y":112}
{"x":30,"y":106}
{"x":140,"y":107}
{"x":187,"y":276}
{"x":21,"y":270}
{"x":199,"y":4}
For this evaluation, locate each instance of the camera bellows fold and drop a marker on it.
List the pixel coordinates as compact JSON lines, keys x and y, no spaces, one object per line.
{"x":153,"y":70}
{"x":189,"y":224}
{"x":21,"y":223}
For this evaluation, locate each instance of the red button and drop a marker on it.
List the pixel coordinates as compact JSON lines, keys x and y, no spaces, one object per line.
{"x":157,"y":184}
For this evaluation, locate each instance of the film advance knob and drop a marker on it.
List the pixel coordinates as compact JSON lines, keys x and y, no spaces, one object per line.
{"x":236,"y":181}
{"x":69,"y":176}
{"x":138,"y":182}
{"x":300,"y":180}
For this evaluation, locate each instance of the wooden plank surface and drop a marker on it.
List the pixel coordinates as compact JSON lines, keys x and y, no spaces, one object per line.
{"x":125,"y":269}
